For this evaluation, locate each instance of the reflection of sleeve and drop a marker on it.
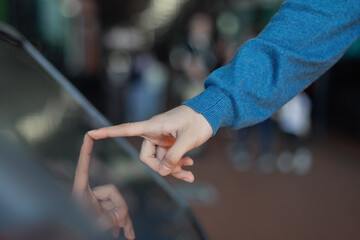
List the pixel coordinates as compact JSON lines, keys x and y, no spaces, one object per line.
{"x":302,"y":41}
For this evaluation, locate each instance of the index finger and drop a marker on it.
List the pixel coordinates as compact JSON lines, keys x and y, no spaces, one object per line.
{"x":122,"y":130}
{"x":81,"y":181}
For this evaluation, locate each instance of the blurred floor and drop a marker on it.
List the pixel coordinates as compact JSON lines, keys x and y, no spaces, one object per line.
{"x":323,"y":204}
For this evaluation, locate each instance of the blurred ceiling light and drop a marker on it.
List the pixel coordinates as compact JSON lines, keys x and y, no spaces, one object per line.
{"x":127,"y":169}
{"x":119,"y":62}
{"x":121,"y":38}
{"x":160,"y":13}
{"x":39,"y":125}
{"x":70,"y":8}
{"x":228,"y":24}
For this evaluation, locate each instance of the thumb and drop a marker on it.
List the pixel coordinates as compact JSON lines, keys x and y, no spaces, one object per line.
{"x":184,"y":143}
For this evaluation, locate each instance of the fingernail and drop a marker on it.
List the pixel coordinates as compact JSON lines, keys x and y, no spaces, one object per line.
{"x":87,"y":134}
{"x":91,"y":132}
{"x":187,"y":179}
{"x":164,"y":170}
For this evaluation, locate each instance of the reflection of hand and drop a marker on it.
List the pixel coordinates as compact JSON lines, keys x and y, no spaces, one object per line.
{"x":167,"y":137}
{"x":106,"y":200}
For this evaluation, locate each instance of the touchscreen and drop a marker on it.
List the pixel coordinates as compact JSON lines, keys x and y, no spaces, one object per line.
{"x":41,"y":112}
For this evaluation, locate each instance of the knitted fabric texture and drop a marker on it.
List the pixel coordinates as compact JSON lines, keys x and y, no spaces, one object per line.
{"x":302,"y":41}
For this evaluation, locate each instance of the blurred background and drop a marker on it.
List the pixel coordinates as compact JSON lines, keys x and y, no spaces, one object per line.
{"x":294,"y":176}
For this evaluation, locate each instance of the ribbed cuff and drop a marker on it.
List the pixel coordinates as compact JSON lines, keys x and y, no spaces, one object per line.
{"x":213,"y":105}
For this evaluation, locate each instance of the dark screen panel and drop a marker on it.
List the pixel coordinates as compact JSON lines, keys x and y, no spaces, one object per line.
{"x":39,"y":114}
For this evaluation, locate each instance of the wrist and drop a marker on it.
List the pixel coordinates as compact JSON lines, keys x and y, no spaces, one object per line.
{"x":203,"y":123}
{"x":213,"y":105}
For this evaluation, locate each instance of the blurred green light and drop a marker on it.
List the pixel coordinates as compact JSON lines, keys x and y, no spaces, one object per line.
{"x":228,"y":24}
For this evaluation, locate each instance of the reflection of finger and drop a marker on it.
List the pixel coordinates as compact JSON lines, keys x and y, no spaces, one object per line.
{"x":128,"y":229}
{"x":184,"y":175}
{"x":107,"y":205}
{"x":113,"y":219}
{"x":110,"y":192}
{"x":109,"y":219}
{"x":122,"y":130}
{"x":81,"y":181}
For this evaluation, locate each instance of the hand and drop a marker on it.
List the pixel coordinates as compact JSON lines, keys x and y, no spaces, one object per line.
{"x":167,"y":137}
{"x":106,"y":200}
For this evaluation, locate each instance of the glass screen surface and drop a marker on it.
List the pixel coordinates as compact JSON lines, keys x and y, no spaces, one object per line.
{"x":39,"y":114}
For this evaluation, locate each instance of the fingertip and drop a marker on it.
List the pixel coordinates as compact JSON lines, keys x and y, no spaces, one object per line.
{"x":89,"y":134}
{"x":191,"y":162}
{"x":88,"y":138}
{"x":190,"y":178}
{"x":92,"y":134}
{"x":130,"y":234}
{"x":129,"y":229}
{"x":184,"y":175}
{"x":187,"y":161}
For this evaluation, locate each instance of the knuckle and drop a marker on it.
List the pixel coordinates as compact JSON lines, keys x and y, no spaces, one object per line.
{"x":158,"y":117}
{"x":159,"y":120}
{"x":171,"y":158}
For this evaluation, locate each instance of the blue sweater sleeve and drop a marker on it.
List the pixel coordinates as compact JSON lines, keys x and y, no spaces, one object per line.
{"x":303,"y":40}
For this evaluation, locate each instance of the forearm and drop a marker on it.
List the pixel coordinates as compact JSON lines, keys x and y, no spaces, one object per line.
{"x":301,"y":42}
